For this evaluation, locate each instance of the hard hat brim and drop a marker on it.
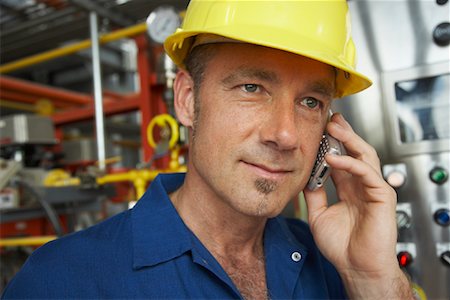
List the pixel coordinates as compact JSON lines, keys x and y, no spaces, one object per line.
{"x":348,"y":81}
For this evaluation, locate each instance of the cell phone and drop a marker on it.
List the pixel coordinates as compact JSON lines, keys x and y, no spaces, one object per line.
{"x":321,"y":170}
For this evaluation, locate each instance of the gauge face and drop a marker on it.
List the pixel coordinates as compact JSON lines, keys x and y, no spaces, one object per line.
{"x":162,"y":22}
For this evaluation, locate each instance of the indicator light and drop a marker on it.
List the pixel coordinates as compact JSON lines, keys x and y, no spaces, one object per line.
{"x":404,"y":258}
{"x":442,"y":217}
{"x":439,"y":175}
{"x":396,"y":179}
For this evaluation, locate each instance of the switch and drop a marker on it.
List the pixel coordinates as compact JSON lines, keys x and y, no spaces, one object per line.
{"x":404,"y":258}
{"x":403,"y":220}
{"x":396,"y":179}
{"x":439,"y":175}
{"x":442,"y":217}
{"x":395,"y":174}
{"x":403,"y":215}
{"x":445,"y":257}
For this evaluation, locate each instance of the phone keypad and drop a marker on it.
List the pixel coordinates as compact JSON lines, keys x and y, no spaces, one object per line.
{"x":323,"y":149}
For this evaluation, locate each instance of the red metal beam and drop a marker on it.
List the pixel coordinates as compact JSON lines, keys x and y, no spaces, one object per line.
{"x":88,"y":112}
{"x":51,"y":93}
{"x":25,"y":98}
{"x":145,"y":99}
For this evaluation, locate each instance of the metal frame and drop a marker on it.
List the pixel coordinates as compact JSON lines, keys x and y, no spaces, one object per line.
{"x":389,"y":101}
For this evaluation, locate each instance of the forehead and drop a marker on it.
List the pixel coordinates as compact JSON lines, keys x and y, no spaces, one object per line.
{"x":253,"y":61}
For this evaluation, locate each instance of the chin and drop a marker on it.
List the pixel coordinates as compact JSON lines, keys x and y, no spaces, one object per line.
{"x":263,"y":210}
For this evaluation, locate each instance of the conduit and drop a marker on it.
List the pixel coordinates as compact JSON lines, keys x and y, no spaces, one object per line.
{"x":63,"y":51}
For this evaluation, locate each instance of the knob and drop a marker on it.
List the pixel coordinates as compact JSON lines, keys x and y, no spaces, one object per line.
{"x":445,"y":257}
{"x":439,"y":175}
{"x":404,"y":258}
{"x":403,"y":219}
{"x":442,"y":217}
{"x":441,"y":34}
{"x":441,"y":2}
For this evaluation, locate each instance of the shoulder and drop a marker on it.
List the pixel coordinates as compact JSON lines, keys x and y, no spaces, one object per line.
{"x":90,"y":241}
{"x":67,"y":262}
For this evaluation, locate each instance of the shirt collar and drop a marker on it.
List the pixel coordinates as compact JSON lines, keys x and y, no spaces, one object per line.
{"x":159,"y":234}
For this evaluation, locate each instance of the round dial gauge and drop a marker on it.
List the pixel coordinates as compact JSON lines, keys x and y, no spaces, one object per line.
{"x":162,"y":22}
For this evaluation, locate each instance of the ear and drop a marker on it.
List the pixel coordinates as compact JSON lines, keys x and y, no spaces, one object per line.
{"x":183,"y":89}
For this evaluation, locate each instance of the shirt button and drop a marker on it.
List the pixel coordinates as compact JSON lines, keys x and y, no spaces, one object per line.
{"x":296,"y":256}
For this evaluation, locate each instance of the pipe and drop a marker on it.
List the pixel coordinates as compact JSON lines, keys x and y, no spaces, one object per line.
{"x":63,"y":51}
{"x":28,"y":241}
{"x":98,"y":99}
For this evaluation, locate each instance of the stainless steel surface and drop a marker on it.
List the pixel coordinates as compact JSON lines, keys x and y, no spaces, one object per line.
{"x":395,"y":47}
{"x":26,"y":129}
{"x":98,"y":97}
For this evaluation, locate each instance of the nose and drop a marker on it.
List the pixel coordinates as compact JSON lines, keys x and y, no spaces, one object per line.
{"x":279,"y":128}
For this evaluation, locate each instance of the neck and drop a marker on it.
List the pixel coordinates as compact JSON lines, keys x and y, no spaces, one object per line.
{"x":220,"y":228}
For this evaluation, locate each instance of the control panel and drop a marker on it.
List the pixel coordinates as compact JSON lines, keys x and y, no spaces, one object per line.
{"x":423,"y":217}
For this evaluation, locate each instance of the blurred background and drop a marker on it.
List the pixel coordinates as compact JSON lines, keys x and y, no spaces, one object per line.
{"x":86,"y":119}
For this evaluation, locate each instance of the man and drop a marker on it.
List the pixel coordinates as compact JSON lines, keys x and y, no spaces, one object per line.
{"x":255,"y":86}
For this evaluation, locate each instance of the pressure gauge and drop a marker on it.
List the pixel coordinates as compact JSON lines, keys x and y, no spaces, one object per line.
{"x":162,"y":22}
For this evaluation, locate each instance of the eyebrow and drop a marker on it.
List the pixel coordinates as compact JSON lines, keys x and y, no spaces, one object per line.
{"x":255,"y":73}
{"x":324,"y":88}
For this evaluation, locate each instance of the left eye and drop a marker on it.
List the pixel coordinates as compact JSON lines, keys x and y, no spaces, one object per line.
{"x":250,"y":87}
{"x":310,"y":102}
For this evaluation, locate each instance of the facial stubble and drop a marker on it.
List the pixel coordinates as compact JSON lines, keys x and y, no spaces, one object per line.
{"x":265,"y":186}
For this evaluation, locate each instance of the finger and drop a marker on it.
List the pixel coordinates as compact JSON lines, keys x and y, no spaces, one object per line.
{"x":344,"y":165}
{"x":353,"y":143}
{"x":316,"y":202}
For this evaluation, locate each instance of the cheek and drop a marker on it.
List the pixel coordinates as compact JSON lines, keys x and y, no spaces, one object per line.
{"x":214,"y":131}
{"x":310,"y":141}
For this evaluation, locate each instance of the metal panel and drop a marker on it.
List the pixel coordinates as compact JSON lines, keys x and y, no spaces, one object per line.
{"x":395,"y":44}
{"x":27,"y":129}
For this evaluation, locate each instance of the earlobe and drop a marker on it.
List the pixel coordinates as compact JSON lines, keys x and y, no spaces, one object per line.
{"x":184,"y":98}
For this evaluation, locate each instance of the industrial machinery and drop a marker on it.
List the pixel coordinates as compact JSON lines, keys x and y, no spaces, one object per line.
{"x":41,"y":198}
{"x":57,"y":171}
{"x":32,"y":212}
{"x":404,"y":47}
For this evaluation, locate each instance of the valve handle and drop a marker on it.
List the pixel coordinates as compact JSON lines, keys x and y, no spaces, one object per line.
{"x":162,"y":121}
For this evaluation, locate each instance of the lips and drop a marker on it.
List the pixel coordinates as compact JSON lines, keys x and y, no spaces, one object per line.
{"x":267,"y":171}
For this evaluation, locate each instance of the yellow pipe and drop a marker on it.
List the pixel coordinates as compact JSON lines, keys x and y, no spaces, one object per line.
{"x":139,"y":178}
{"x":70,"y":49}
{"x":27,"y":241}
{"x":64,"y":182}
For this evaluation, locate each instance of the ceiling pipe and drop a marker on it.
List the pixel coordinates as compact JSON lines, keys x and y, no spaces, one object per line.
{"x":63,"y":51}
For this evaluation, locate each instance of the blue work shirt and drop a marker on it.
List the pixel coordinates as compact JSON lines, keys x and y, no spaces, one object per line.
{"x":148,"y":252}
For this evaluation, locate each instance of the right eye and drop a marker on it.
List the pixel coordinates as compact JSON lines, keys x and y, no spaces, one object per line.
{"x":250,"y":87}
{"x":310,"y":102}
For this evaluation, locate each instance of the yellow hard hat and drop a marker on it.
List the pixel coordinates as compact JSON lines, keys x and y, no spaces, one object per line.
{"x":318,"y":29}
